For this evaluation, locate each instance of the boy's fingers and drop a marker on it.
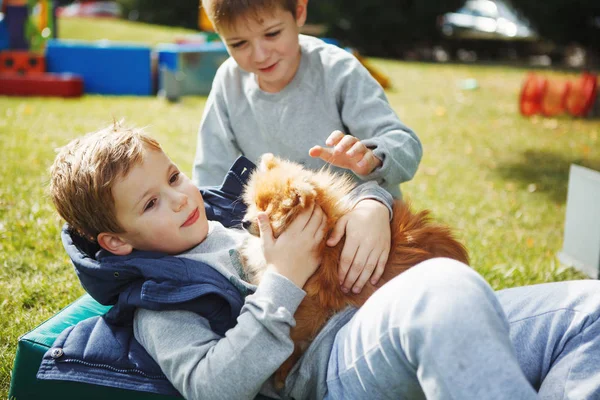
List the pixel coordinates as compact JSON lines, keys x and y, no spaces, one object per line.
{"x":346,"y":259}
{"x":356,"y":269}
{"x":315,"y":220}
{"x":345,"y":144}
{"x":303,"y":218}
{"x":338,"y":232}
{"x":322,"y":228}
{"x":264,"y":227}
{"x":357,"y":150}
{"x":351,"y":277}
{"x":334,"y":138}
{"x":315,"y":151}
{"x":325,"y":153}
{"x":367,"y":164}
{"x":380,"y":268}
{"x":366,"y":273}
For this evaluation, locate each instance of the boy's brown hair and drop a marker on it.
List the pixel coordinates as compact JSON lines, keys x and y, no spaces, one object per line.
{"x":84,"y":172}
{"x":227,"y":12}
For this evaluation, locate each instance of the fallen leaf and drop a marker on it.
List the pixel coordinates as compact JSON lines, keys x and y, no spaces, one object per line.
{"x":586,"y":150}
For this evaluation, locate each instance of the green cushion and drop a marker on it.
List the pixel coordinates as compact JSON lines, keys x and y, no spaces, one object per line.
{"x":33,"y":345}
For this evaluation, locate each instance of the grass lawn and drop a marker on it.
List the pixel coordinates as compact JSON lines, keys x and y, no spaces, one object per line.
{"x":498,"y":178}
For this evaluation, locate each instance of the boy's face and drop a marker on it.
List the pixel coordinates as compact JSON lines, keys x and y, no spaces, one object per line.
{"x":267,"y":47}
{"x":159,"y":207}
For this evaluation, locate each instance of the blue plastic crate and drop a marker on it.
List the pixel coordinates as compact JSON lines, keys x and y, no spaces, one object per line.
{"x":195,"y":65}
{"x":4,"y":40}
{"x":110,"y":68}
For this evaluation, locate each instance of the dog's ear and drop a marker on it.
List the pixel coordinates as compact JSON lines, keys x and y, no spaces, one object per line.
{"x":268,"y":161}
{"x":303,"y":192}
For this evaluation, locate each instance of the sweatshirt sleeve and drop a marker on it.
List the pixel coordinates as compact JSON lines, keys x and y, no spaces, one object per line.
{"x":371,"y":190}
{"x":216,"y":148}
{"x":203,"y":365}
{"x":368,"y":116}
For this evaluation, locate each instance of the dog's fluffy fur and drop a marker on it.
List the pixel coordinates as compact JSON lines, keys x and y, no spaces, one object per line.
{"x":284,"y":189}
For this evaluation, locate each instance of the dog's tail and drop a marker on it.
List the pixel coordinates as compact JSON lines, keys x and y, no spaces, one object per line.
{"x":416,"y":238}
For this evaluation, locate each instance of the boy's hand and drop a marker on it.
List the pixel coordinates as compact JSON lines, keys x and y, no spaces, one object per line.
{"x":367,"y":247}
{"x":348,"y":152}
{"x":294,"y":253}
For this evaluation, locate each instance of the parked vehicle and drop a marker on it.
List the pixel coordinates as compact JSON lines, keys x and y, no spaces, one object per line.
{"x":489,"y":30}
{"x":486,"y":20}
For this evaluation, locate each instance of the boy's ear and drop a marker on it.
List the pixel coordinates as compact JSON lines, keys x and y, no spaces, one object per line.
{"x":301,"y":12}
{"x":113,"y":243}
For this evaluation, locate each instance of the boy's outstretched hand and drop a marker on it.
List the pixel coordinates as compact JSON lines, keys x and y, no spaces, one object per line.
{"x":346,"y":151}
{"x":367,"y":247}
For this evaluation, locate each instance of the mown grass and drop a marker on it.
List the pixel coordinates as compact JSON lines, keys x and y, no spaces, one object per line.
{"x":498,"y":178}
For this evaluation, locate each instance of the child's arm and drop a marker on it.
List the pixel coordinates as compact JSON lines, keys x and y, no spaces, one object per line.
{"x":346,"y":151}
{"x":368,"y":237}
{"x":199,"y":363}
{"x":367,"y":245}
{"x":368,"y":116}
{"x":203,"y":365}
{"x":293,"y":253}
{"x":216,"y":147}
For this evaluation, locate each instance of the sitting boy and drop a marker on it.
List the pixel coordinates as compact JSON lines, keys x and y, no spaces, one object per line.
{"x":117,"y":188}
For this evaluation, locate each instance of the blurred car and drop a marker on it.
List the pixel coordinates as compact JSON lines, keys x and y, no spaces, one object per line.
{"x":486,"y":20}
{"x":105,"y":9}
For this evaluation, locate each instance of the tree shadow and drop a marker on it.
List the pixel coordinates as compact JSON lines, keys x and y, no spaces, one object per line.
{"x":548,"y":171}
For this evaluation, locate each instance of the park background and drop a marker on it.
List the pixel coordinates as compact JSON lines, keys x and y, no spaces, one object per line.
{"x":498,"y":178}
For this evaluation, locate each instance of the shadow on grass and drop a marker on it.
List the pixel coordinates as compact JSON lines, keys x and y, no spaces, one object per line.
{"x":548,"y":171}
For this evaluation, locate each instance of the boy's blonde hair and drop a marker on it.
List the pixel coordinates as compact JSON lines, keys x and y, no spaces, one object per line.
{"x":227,"y":12}
{"x":85,"y":170}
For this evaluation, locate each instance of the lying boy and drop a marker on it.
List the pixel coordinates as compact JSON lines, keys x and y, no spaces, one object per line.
{"x":116,"y":187}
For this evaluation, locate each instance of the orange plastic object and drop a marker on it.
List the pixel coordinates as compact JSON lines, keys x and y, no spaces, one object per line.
{"x":22,"y":63}
{"x":582,"y":96}
{"x":532,"y":92}
{"x":203,"y":22}
{"x":554,"y":97}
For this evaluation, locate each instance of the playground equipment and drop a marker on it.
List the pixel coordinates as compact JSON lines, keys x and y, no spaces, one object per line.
{"x":188,"y":69}
{"x":21,"y":62}
{"x":551,"y":97}
{"x":29,"y":23}
{"x":60,"y":85}
{"x":24,"y":30}
{"x":110,"y":68}
{"x":40,"y":24}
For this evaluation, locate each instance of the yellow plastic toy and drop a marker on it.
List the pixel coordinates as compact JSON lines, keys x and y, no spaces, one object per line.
{"x":39,"y":27}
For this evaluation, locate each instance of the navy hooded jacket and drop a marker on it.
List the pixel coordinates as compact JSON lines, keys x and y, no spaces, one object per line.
{"x":103,"y":350}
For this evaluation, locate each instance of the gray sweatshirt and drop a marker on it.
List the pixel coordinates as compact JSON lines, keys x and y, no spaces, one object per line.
{"x":330,"y":91}
{"x":203,"y":365}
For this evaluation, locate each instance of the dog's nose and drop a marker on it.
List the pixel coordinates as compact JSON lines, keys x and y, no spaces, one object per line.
{"x":246,"y":224}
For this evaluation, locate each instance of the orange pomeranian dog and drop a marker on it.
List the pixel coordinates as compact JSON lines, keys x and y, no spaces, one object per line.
{"x":283,"y":190}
